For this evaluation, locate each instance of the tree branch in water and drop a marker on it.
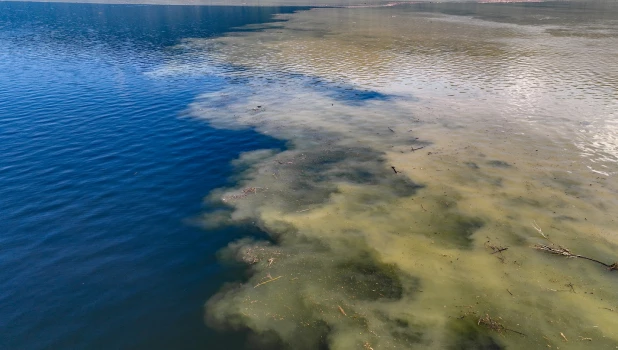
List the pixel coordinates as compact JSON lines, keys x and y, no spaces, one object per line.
{"x":559,"y":250}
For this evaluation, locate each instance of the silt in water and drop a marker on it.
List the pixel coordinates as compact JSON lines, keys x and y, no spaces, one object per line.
{"x":430,"y":150}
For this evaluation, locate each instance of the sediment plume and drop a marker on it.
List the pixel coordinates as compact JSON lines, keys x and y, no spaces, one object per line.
{"x":420,"y":148}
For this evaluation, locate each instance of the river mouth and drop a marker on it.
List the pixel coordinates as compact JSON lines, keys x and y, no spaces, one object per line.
{"x":438,"y":156}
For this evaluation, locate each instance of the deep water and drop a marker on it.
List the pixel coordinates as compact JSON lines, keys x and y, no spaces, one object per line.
{"x":101,"y":177}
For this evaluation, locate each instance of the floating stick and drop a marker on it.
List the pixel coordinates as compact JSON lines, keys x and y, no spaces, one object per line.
{"x":341,"y":309}
{"x":270,"y":280}
{"x":560,"y":250}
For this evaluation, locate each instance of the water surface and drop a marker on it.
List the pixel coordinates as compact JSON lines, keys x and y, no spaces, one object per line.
{"x":102,"y":175}
{"x":432,"y":148}
{"x":429,"y":148}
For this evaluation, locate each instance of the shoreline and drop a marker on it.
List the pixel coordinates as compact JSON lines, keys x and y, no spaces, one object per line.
{"x":312,"y":3}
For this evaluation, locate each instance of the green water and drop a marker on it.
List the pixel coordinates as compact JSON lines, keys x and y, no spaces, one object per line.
{"x":431,"y":149}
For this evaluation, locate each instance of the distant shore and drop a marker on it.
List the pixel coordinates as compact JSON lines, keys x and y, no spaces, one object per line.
{"x":317,"y":3}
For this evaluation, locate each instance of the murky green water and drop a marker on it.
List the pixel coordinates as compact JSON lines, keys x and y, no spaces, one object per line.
{"x":431,"y":148}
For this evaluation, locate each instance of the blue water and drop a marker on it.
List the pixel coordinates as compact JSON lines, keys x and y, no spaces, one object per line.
{"x":101,"y":177}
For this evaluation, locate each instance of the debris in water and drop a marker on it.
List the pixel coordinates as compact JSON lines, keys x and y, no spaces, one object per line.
{"x":496,"y":249}
{"x":270,"y":280}
{"x":538,"y":228}
{"x":494,"y":325}
{"x":341,"y":309}
{"x":244,"y":193}
{"x":559,"y":250}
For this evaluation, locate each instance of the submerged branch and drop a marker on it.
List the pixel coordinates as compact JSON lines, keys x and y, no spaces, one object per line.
{"x":495,"y":325}
{"x":270,"y":280}
{"x":496,"y":249}
{"x":559,"y":250}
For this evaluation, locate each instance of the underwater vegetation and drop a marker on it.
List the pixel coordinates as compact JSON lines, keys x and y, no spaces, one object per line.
{"x":428,"y":155}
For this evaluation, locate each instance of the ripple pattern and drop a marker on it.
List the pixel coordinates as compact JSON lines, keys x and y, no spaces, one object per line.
{"x":102,"y":178}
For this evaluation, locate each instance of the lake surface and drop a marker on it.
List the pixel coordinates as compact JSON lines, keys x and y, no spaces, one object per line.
{"x":103,"y":174}
{"x":338,"y":178}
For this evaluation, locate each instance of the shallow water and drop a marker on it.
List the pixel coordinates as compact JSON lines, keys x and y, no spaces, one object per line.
{"x":431,"y":148}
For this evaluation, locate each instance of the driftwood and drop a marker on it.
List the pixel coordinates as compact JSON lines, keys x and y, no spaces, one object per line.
{"x":560,"y":250}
